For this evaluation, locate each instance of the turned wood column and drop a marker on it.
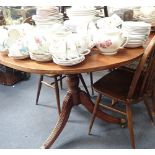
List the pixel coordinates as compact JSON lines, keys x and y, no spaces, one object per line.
{"x":73,"y":88}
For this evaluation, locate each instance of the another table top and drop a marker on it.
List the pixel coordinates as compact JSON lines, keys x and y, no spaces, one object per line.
{"x":93,"y":62}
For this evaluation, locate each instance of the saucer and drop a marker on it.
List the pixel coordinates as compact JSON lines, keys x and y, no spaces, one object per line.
{"x":69,"y":62}
{"x":19,"y":57}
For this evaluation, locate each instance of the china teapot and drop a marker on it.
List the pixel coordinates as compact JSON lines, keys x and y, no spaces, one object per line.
{"x":109,"y":41}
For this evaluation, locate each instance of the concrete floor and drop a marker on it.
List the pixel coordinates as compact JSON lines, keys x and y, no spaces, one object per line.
{"x":23,"y":125}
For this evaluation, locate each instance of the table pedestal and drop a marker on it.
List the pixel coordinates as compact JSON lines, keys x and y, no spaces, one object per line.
{"x":74,"y":96}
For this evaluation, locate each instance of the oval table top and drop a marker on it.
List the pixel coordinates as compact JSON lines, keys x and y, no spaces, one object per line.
{"x":93,"y":62}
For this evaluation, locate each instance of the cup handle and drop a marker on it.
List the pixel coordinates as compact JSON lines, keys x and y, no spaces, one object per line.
{"x":87,"y":51}
{"x":125,"y":40}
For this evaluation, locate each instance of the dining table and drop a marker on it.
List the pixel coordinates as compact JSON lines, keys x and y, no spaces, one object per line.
{"x":94,"y":61}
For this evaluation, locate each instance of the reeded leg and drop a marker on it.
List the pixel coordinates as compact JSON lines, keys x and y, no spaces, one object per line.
{"x":74,"y":97}
{"x":71,"y":99}
{"x":39,"y":88}
{"x":63,"y":118}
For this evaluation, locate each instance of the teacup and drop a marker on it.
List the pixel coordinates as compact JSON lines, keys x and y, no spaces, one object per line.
{"x":58,"y":49}
{"x":81,"y":43}
{"x":19,"y":49}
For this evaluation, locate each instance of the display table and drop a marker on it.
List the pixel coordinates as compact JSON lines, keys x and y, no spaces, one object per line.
{"x":75,"y":96}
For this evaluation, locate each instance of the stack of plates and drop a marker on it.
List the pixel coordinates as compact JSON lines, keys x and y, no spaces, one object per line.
{"x":150,"y":19}
{"x":69,"y":62}
{"x":81,"y":13}
{"x":47,"y":16}
{"x":147,"y":14}
{"x":138,"y":33}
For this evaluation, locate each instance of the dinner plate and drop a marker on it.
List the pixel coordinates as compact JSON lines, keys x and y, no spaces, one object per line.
{"x":108,"y":53}
{"x":133,"y":45}
{"x":49,"y":18}
{"x":135,"y":41}
{"x":137,"y":24}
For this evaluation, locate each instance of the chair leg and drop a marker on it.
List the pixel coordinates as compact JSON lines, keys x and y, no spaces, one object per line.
{"x":61,"y":81}
{"x":39,"y":88}
{"x":91,"y":82}
{"x":57,"y":94}
{"x":153,"y":101}
{"x":84,"y":84}
{"x":148,"y":108}
{"x":94,"y":112}
{"x":130,"y":124}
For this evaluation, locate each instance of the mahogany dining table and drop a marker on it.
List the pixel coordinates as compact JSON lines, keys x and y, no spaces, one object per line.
{"x":75,"y":96}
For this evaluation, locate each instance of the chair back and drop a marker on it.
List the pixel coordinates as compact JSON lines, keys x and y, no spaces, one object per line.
{"x":144,"y":71}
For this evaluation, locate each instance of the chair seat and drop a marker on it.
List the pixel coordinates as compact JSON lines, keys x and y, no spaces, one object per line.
{"x":116,"y":88}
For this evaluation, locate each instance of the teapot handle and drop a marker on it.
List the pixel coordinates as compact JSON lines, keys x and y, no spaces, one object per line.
{"x":125,"y":39}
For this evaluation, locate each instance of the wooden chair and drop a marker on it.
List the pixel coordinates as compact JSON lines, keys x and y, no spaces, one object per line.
{"x":55,"y":85}
{"x":51,"y":85}
{"x":128,"y":86}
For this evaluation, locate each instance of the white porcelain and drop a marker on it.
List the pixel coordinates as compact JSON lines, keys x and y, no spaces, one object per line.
{"x":113,"y":21}
{"x":133,"y":45}
{"x":110,"y":40}
{"x":81,"y":14}
{"x":19,"y":49}
{"x":41,"y":57}
{"x":15,"y":33}
{"x":66,"y":46}
{"x":87,"y":18}
{"x":70,"y":62}
{"x":147,"y":11}
{"x":21,"y":57}
{"x":136,"y":24}
{"x":135,"y":41}
{"x":4,"y":36}
{"x":38,"y":42}
{"x":58,"y":46}
{"x":79,"y":43}
{"x":137,"y":36}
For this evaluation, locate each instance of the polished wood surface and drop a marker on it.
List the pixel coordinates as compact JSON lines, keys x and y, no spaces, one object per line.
{"x":93,"y":62}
